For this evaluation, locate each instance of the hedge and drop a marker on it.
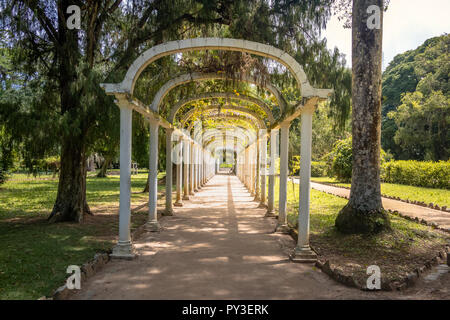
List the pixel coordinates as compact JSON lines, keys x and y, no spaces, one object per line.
{"x":319,"y":169}
{"x":418,"y":173}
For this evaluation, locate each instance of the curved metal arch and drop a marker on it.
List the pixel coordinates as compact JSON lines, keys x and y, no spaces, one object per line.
{"x":172,"y":47}
{"x":225,"y":95}
{"x":199,"y":76}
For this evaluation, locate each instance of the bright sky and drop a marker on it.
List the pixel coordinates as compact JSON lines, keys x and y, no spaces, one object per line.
{"x":407,"y":24}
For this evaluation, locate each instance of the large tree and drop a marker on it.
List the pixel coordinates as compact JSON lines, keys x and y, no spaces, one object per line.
{"x":364,"y":212}
{"x":70,"y":64}
{"x":76,"y":61}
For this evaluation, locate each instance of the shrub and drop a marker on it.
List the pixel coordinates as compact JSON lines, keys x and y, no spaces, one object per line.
{"x":341,"y":165}
{"x":418,"y":173}
{"x":319,"y":169}
{"x":341,"y":158}
{"x":295,"y":165}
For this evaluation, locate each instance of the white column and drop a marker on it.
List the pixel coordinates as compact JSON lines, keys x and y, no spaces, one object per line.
{"x":263,"y":149}
{"x":251,"y":169}
{"x":258,"y":170}
{"x":282,"y":209}
{"x":169,"y":175}
{"x":186,"y":157}
{"x":303,"y":252}
{"x":195,"y":167}
{"x":178,"y":202}
{"x":200,"y":171}
{"x":191,"y":169}
{"x":124,"y":248}
{"x":272,"y":172}
{"x":153,"y":224}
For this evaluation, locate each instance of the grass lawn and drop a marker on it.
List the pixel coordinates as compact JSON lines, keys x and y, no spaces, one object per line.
{"x":34,"y":254}
{"x":408,"y":246}
{"x":404,"y":192}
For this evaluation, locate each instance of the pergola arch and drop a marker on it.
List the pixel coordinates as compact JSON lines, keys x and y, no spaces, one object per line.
{"x":254,"y":122}
{"x":191,"y":112}
{"x":200,"y":162}
{"x":244,"y":133}
{"x":243,"y":140}
{"x":199,"y":76}
{"x":216,"y":95}
{"x":168,"y":48}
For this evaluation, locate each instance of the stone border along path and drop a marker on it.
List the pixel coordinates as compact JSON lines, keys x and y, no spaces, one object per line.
{"x":217,"y":246}
{"x":437,"y":218}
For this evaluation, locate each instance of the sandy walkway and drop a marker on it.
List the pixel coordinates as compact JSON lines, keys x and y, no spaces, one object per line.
{"x":218,"y":246}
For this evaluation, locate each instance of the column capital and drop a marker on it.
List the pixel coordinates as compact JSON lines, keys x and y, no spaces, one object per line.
{"x":285,"y":124}
{"x":121,"y":100}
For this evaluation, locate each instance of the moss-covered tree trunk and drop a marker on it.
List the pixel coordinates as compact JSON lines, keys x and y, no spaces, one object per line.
{"x":364,"y":212}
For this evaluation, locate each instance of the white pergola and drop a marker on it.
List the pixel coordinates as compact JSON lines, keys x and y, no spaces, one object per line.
{"x":194,"y":155}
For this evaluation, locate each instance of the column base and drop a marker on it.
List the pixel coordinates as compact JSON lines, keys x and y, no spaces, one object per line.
{"x":123,"y":251}
{"x":262,"y":204}
{"x":257,"y":198}
{"x":153,"y":226}
{"x":192,"y":193}
{"x":185,"y":197}
{"x":167,"y":213}
{"x":178,"y":204}
{"x":303,"y":254}
{"x":270,"y":213}
{"x":283,"y":229}
{"x":196,"y":190}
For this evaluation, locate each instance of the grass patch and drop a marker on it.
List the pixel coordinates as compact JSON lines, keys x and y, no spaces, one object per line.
{"x":440,"y":197}
{"x":408,"y":246}
{"x":35,"y":254}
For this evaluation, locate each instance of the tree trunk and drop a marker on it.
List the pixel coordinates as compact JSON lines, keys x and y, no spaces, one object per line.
{"x":71,"y":204}
{"x":105,"y":166}
{"x":147,"y":185}
{"x":364,"y":212}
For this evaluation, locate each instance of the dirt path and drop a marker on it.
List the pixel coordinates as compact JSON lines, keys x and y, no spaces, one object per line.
{"x":441,"y":218}
{"x":218,"y":246}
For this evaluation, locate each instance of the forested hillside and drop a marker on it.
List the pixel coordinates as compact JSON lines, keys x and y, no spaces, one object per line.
{"x":416,"y":106}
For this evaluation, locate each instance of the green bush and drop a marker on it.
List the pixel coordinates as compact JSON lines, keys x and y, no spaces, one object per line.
{"x":319,"y":169}
{"x":2,"y":176}
{"x":341,"y":158}
{"x":341,"y":166}
{"x":418,"y":173}
{"x":295,"y":165}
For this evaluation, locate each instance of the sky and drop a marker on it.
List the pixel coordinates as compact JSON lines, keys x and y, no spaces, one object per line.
{"x":407,"y":24}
